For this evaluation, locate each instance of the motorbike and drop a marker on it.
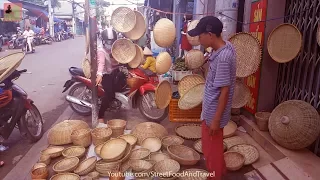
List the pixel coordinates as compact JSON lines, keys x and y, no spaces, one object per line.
{"x":20,"y":113}
{"x":141,"y":95}
{"x":58,"y":36}
{"x":45,"y":40}
{"x":25,"y":47}
{"x":37,"y":40}
{"x":15,"y":42}
{"x":70,"y":35}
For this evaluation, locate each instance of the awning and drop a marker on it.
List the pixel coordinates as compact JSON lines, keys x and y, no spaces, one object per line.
{"x":42,"y":14}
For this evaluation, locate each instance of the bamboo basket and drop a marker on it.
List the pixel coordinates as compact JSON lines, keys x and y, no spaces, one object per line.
{"x":100,"y":135}
{"x":262,"y":119}
{"x":117,"y":126}
{"x":81,"y":137}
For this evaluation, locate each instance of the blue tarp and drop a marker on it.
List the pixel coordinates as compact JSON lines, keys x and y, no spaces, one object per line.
{"x":41,"y":12}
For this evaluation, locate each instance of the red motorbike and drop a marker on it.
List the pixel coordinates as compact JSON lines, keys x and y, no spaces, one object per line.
{"x":139,"y":92}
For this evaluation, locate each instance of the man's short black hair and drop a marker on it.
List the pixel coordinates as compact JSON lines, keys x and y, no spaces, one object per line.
{"x":208,"y":24}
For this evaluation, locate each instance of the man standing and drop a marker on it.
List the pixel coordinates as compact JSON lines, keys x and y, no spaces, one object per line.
{"x":219,"y":88}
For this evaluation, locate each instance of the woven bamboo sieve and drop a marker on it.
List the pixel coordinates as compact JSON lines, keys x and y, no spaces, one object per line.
{"x":318,"y":35}
{"x":192,"y":98}
{"x":232,"y":141}
{"x":123,"y":19}
{"x":164,"y":32}
{"x":188,"y":82}
{"x":141,"y":153}
{"x":234,"y":160}
{"x":68,"y":164}
{"x":100,"y":135}
{"x":53,"y":151}
{"x":86,"y":166}
{"x":250,"y":153}
{"x":183,"y":154}
{"x":262,"y":119}
{"x":148,"y":129}
{"x":194,"y":41}
{"x":171,"y":140}
{"x":117,"y":126}
{"x":9,"y":63}
{"x":123,"y":51}
{"x":130,"y":138}
{"x":74,"y":151}
{"x":163,"y":63}
{"x":189,"y":131}
{"x":194,"y":59}
{"x":86,"y":67}
{"x":294,"y":124}
{"x":152,"y":143}
{"x":137,"y":59}
{"x":113,"y":149}
{"x":65,"y":176}
{"x":81,"y":137}
{"x":284,"y":43}
{"x":163,"y":94}
{"x":248,"y":52}
{"x":139,"y":28}
{"x":167,"y":165}
{"x":241,"y":94}
{"x":230,"y":129}
{"x":94,"y":175}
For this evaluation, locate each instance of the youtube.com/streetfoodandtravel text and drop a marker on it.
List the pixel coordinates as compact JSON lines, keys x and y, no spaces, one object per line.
{"x":162,"y":175}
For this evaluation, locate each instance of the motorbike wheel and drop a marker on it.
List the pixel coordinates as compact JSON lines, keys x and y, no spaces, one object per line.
{"x":155,"y":114}
{"x":36,"y":118}
{"x":84,"y":95}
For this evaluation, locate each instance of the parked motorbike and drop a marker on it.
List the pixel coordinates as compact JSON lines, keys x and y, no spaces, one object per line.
{"x":15,"y":42}
{"x":57,"y":36}
{"x":70,"y":35}
{"x":37,"y":39}
{"x":25,"y":47}
{"x":45,"y":40}
{"x":20,"y":112}
{"x":141,"y":96}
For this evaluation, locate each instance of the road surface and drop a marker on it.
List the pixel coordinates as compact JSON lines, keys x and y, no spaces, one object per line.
{"x":49,"y":71}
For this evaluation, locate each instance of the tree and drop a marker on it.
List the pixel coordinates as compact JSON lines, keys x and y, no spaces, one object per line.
{"x":101,"y":4}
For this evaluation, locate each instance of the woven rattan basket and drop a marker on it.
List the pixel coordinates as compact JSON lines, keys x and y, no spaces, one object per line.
{"x":123,"y":19}
{"x":86,"y":67}
{"x":65,"y":176}
{"x":40,"y":173}
{"x":94,"y":175}
{"x":241,"y":94}
{"x":163,"y":63}
{"x":74,"y":151}
{"x":97,"y":149}
{"x":139,"y":29}
{"x":183,"y":154}
{"x":152,"y":143}
{"x":60,"y":134}
{"x":163,"y":94}
{"x":9,"y":63}
{"x":232,"y":141}
{"x":148,"y":129}
{"x":137,"y":59}
{"x":139,"y":165}
{"x":53,"y":151}
{"x":250,"y":153}
{"x":107,"y":167}
{"x":123,"y":50}
{"x":45,"y":158}
{"x":38,"y":165}
{"x":130,"y":138}
{"x":230,"y":129}
{"x":68,"y":164}
{"x":81,"y":137}
{"x":194,"y":59}
{"x":194,"y":41}
{"x":165,"y":166}
{"x":117,"y":126}
{"x":284,"y":43}
{"x":192,"y":98}
{"x":189,"y":131}
{"x":164,"y":32}
{"x":171,"y":140}
{"x":127,"y":153}
{"x":318,"y":35}
{"x":86,"y":166}
{"x":113,"y":149}
{"x":234,"y":160}
{"x":294,"y":124}
{"x":262,"y":119}
{"x":188,"y":82}
{"x":141,"y":153}
{"x":248,"y":52}
{"x":158,"y":156}
{"x":100,"y":135}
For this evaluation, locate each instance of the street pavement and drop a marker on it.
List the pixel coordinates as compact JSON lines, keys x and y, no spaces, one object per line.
{"x":49,"y":71}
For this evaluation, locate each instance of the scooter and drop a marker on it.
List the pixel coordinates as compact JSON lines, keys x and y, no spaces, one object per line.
{"x":15,"y":42}
{"x":140,"y":94}
{"x":25,"y":47}
{"x":20,"y":112}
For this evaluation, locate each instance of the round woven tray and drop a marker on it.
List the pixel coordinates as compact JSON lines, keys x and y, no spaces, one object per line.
{"x":123,"y":50}
{"x":86,"y":67}
{"x":141,"y":153}
{"x":139,"y":28}
{"x":163,"y":94}
{"x":123,"y":19}
{"x":192,"y":98}
{"x":189,"y":131}
{"x":318,"y":35}
{"x":152,"y":143}
{"x":284,"y":43}
{"x":65,"y":176}
{"x":158,"y":156}
{"x":163,"y":63}
{"x":250,"y":153}
{"x":188,"y":82}
{"x":194,"y":59}
{"x":53,"y":151}
{"x":230,"y":129}
{"x":248,"y":52}
{"x":94,"y":175}
{"x":234,"y":160}
{"x":183,"y":154}
{"x":232,"y":141}
{"x":66,"y":165}
{"x":294,"y":124}
{"x":46,"y":159}
{"x":197,"y":174}
{"x":194,"y":41}
{"x":114,"y":149}
{"x":167,"y":167}
{"x":86,"y":166}
{"x":241,"y":94}
{"x":171,"y":140}
{"x":9,"y":63}
{"x":148,"y":129}
{"x":164,"y":32}
{"x":74,"y":151}
{"x":137,"y":59}
{"x":104,"y":167}
{"x":130,"y":138}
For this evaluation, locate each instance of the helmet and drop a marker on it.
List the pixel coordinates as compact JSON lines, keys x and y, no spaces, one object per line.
{"x":108,"y":36}
{"x":5,"y":98}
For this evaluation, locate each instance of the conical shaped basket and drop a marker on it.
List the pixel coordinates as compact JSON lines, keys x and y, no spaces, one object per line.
{"x":194,"y":59}
{"x":123,"y":19}
{"x":163,"y":63}
{"x":164,"y":32}
{"x":194,"y":41}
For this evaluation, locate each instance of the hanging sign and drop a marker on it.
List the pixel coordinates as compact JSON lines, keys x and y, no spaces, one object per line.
{"x":257,"y":29}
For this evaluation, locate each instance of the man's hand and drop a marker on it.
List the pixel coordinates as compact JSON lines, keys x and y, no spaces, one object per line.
{"x":214,"y":127}
{"x":98,"y":80}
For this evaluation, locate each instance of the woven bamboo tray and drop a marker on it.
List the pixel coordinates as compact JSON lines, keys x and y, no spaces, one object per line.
{"x":9,"y":63}
{"x":141,"y":153}
{"x":86,"y":166}
{"x":250,"y":153}
{"x":152,"y":143}
{"x":139,"y":28}
{"x":123,"y":51}
{"x":158,"y":156}
{"x":148,"y":129}
{"x":114,"y":149}
{"x":53,"y":151}
{"x":183,"y":154}
{"x":65,"y":176}
{"x":241,"y":94}
{"x":130,"y":138}
{"x":171,"y":140}
{"x":40,"y":173}
{"x":234,"y":160}
{"x":232,"y":141}
{"x":123,"y":19}
{"x":189,"y":131}
{"x":188,"y":82}
{"x":192,"y":98}
{"x":165,"y":166}
{"x":184,"y":116}
{"x":107,"y":167}
{"x":163,"y":94}
{"x":74,"y":151}
{"x":139,"y":165}
{"x":68,"y":164}
{"x":44,"y":158}
{"x":230,"y":129}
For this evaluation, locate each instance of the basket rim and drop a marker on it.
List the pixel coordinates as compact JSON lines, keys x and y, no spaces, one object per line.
{"x":189,"y":124}
{"x":186,"y":147}
{"x":256,"y":149}
{"x":239,"y":154}
{"x":64,"y":170}
{"x":142,"y":148}
{"x":119,"y":154}
{"x":73,"y":147}
{"x":195,"y":105}
{"x":62,"y":174}
{"x":172,"y":135}
{"x":78,"y":170}
{"x":60,"y":149}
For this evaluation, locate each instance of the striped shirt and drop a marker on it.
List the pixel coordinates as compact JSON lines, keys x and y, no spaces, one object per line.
{"x":221,"y":73}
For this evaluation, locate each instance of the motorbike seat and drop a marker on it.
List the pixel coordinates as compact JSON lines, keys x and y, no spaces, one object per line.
{"x":76,"y":71}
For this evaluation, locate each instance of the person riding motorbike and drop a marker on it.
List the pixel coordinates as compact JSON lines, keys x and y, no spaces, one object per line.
{"x":108,"y":74}
{"x":28,"y":34}
{"x":149,"y":66}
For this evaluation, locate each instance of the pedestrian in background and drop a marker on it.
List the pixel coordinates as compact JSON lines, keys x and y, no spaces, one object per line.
{"x":219,"y":89}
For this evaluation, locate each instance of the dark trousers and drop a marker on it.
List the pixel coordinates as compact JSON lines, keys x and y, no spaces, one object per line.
{"x":109,"y":93}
